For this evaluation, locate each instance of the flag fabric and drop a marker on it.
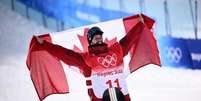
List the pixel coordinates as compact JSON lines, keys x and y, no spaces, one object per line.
{"x":48,"y":72}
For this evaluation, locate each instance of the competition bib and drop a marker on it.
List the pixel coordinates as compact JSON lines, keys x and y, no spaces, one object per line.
{"x":109,"y":79}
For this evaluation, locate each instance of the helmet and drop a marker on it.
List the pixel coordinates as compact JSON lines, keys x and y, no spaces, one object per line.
{"x":93,"y":31}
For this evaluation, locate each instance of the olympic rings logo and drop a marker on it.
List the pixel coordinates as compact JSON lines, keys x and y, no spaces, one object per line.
{"x":107,"y":61}
{"x":174,"y":54}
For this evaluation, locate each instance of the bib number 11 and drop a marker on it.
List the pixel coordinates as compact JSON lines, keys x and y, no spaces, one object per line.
{"x":111,"y":84}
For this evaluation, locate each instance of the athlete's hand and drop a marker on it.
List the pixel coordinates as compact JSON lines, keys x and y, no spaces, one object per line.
{"x":39,"y":40}
{"x":141,"y":18}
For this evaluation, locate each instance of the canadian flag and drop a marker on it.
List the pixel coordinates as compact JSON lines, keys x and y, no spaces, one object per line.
{"x":49,"y":74}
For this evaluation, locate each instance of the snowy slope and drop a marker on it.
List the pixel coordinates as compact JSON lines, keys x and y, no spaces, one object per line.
{"x":146,"y":84}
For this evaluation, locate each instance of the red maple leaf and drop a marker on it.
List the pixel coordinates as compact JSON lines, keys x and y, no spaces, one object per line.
{"x":84,"y":42}
{"x":110,"y":42}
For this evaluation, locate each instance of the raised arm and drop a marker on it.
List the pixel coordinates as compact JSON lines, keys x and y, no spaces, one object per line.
{"x":66,"y":55}
{"x":131,"y":37}
{"x":133,"y":34}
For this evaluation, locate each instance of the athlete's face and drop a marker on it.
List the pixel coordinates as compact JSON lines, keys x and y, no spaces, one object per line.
{"x":97,"y":39}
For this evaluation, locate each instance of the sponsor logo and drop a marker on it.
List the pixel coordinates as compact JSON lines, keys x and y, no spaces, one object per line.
{"x":109,"y":73}
{"x":196,"y":57}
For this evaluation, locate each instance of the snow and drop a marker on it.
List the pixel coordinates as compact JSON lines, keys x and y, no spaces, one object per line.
{"x":150,"y":83}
